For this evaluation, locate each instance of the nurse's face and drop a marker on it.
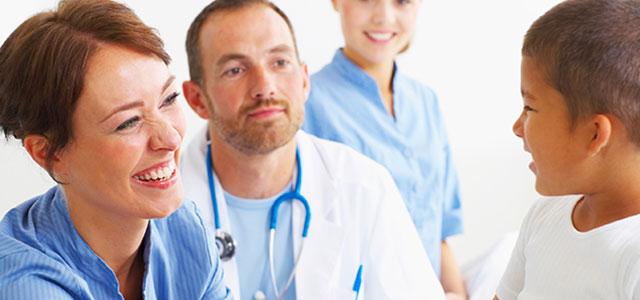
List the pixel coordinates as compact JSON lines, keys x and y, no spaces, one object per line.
{"x":254,"y":86}
{"x":127,"y":130}
{"x":375,"y":31}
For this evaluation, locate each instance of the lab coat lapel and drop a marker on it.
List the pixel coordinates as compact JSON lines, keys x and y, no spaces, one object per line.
{"x":195,"y":164}
{"x":316,"y":276}
{"x":231,"y":278}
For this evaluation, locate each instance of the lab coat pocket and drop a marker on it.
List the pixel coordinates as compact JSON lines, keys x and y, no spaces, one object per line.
{"x":343,"y":293}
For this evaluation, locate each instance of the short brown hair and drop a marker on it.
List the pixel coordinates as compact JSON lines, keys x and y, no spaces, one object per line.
{"x":193,"y":35}
{"x":44,"y":61}
{"x":590,"y":52}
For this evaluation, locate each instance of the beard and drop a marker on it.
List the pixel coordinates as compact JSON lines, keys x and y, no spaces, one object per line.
{"x":258,"y":137}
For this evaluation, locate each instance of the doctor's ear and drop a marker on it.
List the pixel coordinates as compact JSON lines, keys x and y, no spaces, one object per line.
{"x":307,"y":81}
{"x":196,"y":98}
{"x":600,"y":133}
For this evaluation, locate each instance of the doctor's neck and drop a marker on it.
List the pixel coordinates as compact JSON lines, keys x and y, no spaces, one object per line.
{"x":253,"y":176}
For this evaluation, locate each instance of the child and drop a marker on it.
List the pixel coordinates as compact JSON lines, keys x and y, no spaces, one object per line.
{"x":581,"y":124}
{"x":362,"y":99}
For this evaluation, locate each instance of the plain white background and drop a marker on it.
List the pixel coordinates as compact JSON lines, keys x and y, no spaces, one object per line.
{"x":468,"y":51}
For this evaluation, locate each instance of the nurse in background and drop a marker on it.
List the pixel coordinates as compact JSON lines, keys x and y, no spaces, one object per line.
{"x":363,"y":100}
{"x":87,"y":90}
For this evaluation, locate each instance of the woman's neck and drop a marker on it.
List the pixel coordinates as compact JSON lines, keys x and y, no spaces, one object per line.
{"x":118,"y":242}
{"x":382,"y":74}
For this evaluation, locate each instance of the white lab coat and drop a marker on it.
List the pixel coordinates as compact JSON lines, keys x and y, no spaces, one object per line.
{"x":357,"y":217}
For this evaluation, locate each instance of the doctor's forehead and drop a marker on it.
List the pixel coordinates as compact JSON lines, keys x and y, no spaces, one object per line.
{"x":255,"y":28}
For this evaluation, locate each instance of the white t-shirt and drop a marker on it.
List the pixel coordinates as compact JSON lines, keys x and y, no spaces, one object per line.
{"x":552,"y":260}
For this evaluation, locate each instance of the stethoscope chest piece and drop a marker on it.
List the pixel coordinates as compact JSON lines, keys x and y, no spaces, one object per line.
{"x":225,"y":244}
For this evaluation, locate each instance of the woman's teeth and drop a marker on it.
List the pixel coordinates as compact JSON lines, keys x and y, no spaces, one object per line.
{"x":162,"y":173}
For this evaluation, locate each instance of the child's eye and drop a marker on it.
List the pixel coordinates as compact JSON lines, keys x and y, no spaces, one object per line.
{"x":128,"y":123}
{"x":170,"y":100}
{"x":527,"y":108}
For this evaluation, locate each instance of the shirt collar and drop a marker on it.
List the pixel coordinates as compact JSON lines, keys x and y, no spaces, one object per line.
{"x":355,"y":74}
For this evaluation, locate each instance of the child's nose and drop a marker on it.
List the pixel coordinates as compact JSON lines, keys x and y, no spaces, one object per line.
{"x":517,"y":126}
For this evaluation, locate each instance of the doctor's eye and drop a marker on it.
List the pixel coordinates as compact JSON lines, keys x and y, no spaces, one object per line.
{"x":232,"y":72}
{"x":130,"y":123}
{"x":281,"y":63}
{"x":404,"y":2}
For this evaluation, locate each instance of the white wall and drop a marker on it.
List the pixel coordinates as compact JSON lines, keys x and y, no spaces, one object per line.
{"x":468,"y":51}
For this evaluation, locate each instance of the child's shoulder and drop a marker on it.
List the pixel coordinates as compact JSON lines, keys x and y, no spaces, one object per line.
{"x":557,"y":206}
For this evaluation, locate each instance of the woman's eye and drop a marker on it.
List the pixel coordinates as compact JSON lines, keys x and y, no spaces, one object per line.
{"x":404,"y":2}
{"x":128,"y":124}
{"x":171,"y":99}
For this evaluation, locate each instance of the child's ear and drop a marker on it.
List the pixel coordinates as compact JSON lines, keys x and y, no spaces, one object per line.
{"x":601,"y":133}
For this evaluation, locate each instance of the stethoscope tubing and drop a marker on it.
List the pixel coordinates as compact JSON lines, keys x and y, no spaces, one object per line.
{"x":294,"y":195}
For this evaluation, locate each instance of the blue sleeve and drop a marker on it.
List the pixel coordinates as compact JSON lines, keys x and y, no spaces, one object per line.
{"x":24,"y":275}
{"x":452,"y":210}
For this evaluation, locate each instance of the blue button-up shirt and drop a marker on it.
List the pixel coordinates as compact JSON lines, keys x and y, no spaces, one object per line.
{"x":345,"y":105}
{"x":42,"y":256}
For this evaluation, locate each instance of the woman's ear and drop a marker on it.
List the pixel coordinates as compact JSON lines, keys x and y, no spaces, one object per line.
{"x":37,"y":146}
{"x":601,"y":133}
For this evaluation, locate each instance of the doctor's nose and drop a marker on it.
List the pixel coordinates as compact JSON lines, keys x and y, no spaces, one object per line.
{"x":264,"y":85}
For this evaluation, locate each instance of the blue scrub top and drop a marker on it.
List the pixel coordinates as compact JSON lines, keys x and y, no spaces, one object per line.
{"x":249,"y":220}
{"x":346,"y":106}
{"x":42,"y":256}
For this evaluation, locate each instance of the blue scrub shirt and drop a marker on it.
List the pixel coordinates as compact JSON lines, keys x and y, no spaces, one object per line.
{"x":42,"y":256}
{"x":345,"y":106}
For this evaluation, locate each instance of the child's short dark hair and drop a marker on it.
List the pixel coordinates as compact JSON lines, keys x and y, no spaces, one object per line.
{"x":590,"y":52}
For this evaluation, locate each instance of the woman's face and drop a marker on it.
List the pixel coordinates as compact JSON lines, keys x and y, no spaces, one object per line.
{"x":375,"y":31}
{"x":127,"y":130}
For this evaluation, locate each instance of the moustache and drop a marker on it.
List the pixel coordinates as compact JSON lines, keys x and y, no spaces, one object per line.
{"x":244,"y":110}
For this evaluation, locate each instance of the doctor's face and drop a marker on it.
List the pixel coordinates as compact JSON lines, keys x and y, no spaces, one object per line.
{"x":127,"y":129}
{"x":254,"y":86}
{"x":375,"y":31}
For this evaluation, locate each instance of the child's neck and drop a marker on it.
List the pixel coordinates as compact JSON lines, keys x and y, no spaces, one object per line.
{"x":618,"y":199}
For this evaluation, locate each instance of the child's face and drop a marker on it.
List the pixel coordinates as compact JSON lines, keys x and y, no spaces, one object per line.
{"x":545,"y":129}
{"x":375,"y":31}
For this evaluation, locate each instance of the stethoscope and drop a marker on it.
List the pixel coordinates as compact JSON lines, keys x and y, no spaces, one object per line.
{"x":227,"y":246}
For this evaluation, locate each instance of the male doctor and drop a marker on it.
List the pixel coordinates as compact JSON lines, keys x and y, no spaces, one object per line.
{"x":345,"y":234}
